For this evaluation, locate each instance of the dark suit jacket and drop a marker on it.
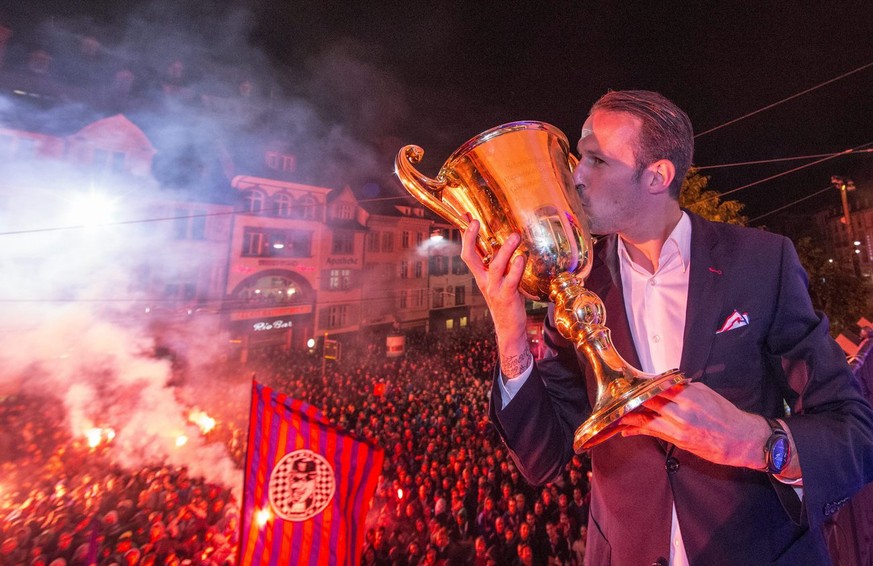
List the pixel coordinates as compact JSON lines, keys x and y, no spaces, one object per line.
{"x":783,"y":357}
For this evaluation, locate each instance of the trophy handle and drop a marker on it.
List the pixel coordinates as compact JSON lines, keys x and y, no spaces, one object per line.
{"x":429,"y":193}
{"x":573,"y":161}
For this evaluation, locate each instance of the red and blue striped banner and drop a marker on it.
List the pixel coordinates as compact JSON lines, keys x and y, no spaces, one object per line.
{"x":308,"y":486}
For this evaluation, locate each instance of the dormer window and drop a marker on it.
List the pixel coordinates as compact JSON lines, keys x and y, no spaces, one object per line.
{"x":281,"y":161}
{"x":344,"y":211}
{"x":108,"y":159}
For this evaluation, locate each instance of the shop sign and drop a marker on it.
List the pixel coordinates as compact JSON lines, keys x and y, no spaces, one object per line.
{"x":272,"y":325}
{"x":271,"y":313}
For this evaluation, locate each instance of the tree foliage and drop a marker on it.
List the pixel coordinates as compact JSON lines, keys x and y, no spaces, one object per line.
{"x":696,"y":197}
{"x":834,"y":290}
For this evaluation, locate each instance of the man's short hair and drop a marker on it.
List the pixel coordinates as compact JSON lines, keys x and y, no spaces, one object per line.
{"x":665,"y":133}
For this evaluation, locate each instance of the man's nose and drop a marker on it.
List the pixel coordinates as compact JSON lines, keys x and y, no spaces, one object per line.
{"x":579,"y":176}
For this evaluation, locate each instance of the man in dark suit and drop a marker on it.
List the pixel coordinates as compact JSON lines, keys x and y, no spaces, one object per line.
{"x":770,"y":436}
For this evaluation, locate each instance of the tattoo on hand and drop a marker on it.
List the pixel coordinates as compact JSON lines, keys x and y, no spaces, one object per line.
{"x":513,"y":366}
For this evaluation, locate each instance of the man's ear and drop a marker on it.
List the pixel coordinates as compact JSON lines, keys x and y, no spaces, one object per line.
{"x":659,"y":175}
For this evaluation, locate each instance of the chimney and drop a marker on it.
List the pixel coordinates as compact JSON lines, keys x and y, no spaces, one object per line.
{"x":89,"y":47}
{"x":122,"y":83}
{"x":39,"y":62}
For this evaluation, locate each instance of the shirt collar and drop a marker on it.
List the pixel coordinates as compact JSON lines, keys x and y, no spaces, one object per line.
{"x":679,"y":241}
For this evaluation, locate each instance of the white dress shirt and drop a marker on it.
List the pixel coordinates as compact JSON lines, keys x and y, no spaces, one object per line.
{"x":655,"y":304}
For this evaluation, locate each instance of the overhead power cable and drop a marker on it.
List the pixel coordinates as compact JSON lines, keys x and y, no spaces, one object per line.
{"x":792,"y":203}
{"x":780,"y":159}
{"x":771,"y":177}
{"x":149,"y":220}
{"x":777,"y":103}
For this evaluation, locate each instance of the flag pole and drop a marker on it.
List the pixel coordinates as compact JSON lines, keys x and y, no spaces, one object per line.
{"x":242,"y":504}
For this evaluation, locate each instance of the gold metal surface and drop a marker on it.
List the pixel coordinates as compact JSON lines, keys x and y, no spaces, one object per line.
{"x":512,"y":178}
{"x":517,"y":178}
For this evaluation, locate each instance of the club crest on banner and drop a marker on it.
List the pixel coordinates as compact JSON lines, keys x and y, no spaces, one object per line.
{"x":301,"y":485}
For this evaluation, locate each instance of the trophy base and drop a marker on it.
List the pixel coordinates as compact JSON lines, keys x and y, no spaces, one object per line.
{"x":603,"y":422}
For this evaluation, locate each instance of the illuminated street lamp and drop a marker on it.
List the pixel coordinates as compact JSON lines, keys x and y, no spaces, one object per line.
{"x":436,"y":237}
{"x":844,"y":186}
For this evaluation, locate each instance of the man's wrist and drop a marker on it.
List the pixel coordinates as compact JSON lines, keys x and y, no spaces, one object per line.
{"x":514,"y":365}
{"x":777,"y":449}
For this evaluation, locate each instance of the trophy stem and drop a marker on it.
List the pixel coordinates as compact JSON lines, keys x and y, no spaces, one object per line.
{"x":580,"y":317}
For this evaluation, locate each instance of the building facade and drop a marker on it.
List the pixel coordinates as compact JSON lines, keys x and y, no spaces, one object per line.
{"x":222,"y":234}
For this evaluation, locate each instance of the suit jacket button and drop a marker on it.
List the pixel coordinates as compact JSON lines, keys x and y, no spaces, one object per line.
{"x":672,"y":465}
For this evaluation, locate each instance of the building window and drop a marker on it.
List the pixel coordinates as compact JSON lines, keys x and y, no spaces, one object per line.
{"x":258,"y":242}
{"x":404,"y":269}
{"x":404,"y":298}
{"x":270,"y":290}
{"x":281,"y":161}
{"x":373,"y":242}
{"x":298,"y":243}
{"x":419,"y":238}
{"x":254,"y":201}
{"x":253,"y":242}
{"x":344,"y":211}
{"x":307,"y":208}
{"x":340,"y":279}
{"x":118,"y":158}
{"x":419,"y":269}
{"x":343,"y":242}
{"x":460,"y":292}
{"x":438,"y":298}
{"x":189,"y":224}
{"x":439,"y":265}
{"x":198,"y":224}
{"x":419,"y":297}
{"x":387,"y":242}
{"x":106,"y":159}
{"x":458,"y":266}
{"x":282,"y":204}
{"x":404,"y":240}
{"x":337,"y":316}
{"x":180,"y":224}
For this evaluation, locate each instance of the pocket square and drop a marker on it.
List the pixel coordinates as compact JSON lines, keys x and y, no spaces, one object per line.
{"x":735,"y":320}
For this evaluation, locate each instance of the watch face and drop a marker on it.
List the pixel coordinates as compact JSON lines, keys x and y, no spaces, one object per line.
{"x":779,"y":454}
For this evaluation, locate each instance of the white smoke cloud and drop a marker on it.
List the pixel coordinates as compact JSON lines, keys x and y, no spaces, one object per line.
{"x":74,"y":304}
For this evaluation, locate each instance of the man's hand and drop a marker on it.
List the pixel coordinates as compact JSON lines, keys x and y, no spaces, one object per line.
{"x":697,"y":419}
{"x":498,"y":281}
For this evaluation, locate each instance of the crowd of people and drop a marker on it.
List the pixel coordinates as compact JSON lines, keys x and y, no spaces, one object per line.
{"x":448,"y":492}
{"x":63,"y":502}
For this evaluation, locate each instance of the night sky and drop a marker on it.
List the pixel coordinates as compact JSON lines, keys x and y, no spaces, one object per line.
{"x":395,"y":73}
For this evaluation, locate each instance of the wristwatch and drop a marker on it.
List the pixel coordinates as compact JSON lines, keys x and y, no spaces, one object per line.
{"x":777,"y":450}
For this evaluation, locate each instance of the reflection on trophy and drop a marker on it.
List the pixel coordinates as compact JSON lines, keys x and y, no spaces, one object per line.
{"x":518,"y":178}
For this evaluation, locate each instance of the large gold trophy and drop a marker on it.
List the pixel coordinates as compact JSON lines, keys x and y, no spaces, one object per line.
{"x":518,"y":178}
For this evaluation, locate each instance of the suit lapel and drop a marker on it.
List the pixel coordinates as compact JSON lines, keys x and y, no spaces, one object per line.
{"x":606,"y":284}
{"x":705,"y":296}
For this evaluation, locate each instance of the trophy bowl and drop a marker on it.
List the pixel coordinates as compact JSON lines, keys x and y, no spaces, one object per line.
{"x":518,"y":178}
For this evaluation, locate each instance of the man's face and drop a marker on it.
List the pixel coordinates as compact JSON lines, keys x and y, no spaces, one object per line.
{"x":302,"y":487}
{"x":606,"y":174}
